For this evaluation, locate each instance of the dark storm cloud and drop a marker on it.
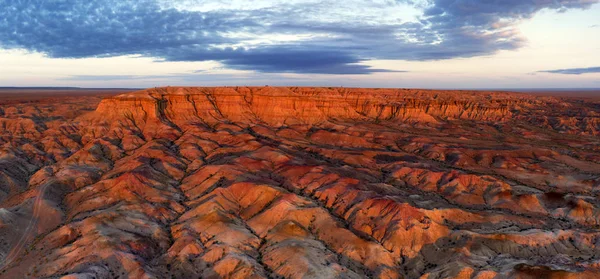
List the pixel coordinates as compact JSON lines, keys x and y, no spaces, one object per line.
{"x":574,"y":71}
{"x":447,"y":29}
{"x":279,"y":59}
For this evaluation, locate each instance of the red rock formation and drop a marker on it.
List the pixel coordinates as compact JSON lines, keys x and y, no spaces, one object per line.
{"x":265,"y":182}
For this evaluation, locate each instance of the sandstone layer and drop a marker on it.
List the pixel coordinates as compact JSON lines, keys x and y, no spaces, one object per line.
{"x":269,"y":182}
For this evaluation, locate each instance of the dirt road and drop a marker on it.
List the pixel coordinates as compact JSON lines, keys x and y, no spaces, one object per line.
{"x":29,"y":232}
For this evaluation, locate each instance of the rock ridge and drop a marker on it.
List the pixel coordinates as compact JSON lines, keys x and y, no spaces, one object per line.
{"x":292,"y":105}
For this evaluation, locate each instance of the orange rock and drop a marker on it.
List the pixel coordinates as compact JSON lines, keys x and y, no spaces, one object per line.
{"x":298,"y":182}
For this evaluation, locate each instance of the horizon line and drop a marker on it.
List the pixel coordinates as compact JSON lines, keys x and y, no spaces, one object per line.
{"x":316,"y":86}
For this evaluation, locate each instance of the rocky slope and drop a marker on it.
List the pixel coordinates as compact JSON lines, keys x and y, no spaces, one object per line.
{"x":267,"y":182}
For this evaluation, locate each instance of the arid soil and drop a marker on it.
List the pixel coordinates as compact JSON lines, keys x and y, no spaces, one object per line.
{"x":266,"y":182}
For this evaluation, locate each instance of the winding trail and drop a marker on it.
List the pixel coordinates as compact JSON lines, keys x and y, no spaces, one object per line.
{"x":16,"y":250}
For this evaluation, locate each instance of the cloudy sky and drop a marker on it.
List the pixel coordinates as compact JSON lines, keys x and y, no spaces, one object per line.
{"x":374,"y":43}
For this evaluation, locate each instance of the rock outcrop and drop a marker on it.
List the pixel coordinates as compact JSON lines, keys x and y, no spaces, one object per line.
{"x":278,"y":106}
{"x":268,"y":182}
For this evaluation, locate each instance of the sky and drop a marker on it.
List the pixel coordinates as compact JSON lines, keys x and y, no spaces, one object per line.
{"x":352,"y":43}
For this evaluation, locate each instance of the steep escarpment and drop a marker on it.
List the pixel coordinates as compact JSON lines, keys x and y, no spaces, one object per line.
{"x":278,"y":106}
{"x":263,"y":182}
{"x":283,"y":106}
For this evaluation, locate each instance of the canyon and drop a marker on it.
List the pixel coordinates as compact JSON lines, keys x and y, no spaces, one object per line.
{"x":299,"y":182}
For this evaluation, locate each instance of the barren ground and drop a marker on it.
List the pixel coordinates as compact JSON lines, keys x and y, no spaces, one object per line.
{"x":268,"y":182}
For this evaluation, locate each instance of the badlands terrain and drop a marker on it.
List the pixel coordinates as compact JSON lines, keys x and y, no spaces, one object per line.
{"x":269,"y":182}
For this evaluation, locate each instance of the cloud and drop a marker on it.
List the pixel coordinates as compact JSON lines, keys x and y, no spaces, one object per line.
{"x":116,"y":77}
{"x":574,"y":71}
{"x":281,"y":59}
{"x":480,"y":27}
{"x":336,"y":37}
{"x":257,"y":79}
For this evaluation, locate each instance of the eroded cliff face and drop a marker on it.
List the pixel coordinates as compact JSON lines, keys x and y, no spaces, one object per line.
{"x":267,"y":182}
{"x":279,"y":106}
